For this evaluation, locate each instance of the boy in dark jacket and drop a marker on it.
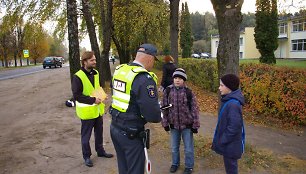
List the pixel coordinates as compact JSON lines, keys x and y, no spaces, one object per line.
{"x":229,"y":135}
{"x":182,"y":119}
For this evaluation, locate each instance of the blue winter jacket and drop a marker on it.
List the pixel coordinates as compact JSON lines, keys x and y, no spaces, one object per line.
{"x":228,"y":134}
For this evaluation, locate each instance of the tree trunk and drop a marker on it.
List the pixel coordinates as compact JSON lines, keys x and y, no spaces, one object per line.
{"x":20,"y":60}
{"x":15,"y":50}
{"x":5,"y":49}
{"x":20,"y":36}
{"x":73,"y":37}
{"x":5,"y":59}
{"x":124,"y":53}
{"x":15,"y":59}
{"x":122,"y":42}
{"x":229,"y":19}
{"x":106,"y":23}
{"x":174,"y":28}
{"x":93,"y":39}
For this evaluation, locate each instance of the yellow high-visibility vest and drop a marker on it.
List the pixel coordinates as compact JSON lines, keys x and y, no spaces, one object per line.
{"x":86,"y":111}
{"x":123,"y":78}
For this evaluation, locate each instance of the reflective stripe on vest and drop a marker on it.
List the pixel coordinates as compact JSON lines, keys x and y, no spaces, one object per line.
{"x":123,"y":78}
{"x":86,"y":111}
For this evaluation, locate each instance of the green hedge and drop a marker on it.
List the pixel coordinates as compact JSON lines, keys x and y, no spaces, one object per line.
{"x":203,"y":73}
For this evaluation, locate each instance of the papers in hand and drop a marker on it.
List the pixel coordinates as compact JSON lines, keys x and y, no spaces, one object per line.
{"x":99,"y":93}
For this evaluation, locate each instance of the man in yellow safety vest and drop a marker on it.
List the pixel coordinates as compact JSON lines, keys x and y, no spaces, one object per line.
{"x":89,"y":109}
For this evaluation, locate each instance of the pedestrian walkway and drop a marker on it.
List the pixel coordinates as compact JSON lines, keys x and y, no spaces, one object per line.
{"x":278,"y":141}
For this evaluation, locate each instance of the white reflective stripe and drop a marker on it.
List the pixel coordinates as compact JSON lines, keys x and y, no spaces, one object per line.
{"x":78,"y":104}
{"x":120,"y":104}
{"x":121,"y":95}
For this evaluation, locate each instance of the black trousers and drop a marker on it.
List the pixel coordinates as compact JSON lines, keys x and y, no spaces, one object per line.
{"x":130,"y":153}
{"x":231,"y":165}
{"x":86,"y":129}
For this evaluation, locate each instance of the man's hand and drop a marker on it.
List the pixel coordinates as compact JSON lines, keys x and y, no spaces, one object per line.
{"x":98,"y":101}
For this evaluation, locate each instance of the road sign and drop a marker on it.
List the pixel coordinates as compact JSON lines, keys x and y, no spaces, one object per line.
{"x":26,"y":53}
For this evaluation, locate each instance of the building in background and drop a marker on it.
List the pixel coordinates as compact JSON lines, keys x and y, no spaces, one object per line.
{"x":292,"y":37}
{"x":247,"y":45}
{"x":291,"y":40}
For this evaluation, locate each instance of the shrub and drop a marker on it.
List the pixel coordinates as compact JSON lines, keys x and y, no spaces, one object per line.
{"x":274,"y":91}
{"x":202,"y":73}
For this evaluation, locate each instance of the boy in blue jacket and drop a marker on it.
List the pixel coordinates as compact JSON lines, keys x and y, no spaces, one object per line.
{"x":229,"y":135}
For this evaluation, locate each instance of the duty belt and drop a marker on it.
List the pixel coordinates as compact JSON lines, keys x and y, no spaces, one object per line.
{"x":130,"y":132}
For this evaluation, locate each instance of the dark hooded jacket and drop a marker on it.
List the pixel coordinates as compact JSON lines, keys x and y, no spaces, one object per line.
{"x":228,"y":134}
{"x":168,"y":70}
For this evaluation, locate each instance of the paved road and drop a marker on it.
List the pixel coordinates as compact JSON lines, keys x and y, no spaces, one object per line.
{"x":13,"y":73}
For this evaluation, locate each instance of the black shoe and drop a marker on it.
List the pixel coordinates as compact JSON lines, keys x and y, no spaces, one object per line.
{"x":106,"y":155}
{"x":88,"y":162}
{"x":188,"y":170}
{"x":173,"y":168}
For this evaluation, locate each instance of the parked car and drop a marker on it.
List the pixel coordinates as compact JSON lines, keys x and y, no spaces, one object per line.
{"x":195,"y":56}
{"x":62,"y":60}
{"x":205,"y":55}
{"x":52,"y":62}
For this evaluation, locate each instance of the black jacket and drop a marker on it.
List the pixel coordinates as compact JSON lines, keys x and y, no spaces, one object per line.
{"x":168,"y":70}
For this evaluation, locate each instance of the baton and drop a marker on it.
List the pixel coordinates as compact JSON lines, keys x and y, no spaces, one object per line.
{"x":148,"y":162}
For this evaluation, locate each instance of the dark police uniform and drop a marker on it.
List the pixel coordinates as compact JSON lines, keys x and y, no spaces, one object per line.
{"x":88,"y":124}
{"x":143,"y":107}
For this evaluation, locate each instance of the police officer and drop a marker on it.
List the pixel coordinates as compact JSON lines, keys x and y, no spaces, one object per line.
{"x":135,"y":102}
{"x":89,"y":109}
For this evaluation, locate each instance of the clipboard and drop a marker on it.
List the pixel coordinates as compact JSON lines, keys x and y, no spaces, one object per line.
{"x":99,"y":93}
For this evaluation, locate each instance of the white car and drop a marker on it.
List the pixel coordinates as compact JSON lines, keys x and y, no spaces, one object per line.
{"x":195,"y":56}
{"x":205,"y":55}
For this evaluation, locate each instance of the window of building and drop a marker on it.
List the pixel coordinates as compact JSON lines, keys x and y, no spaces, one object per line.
{"x":241,"y":41}
{"x":299,"y":25}
{"x":299,"y":45}
{"x":282,"y":28}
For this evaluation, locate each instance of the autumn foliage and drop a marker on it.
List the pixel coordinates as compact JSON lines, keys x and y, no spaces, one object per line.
{"x":275,"y":91}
